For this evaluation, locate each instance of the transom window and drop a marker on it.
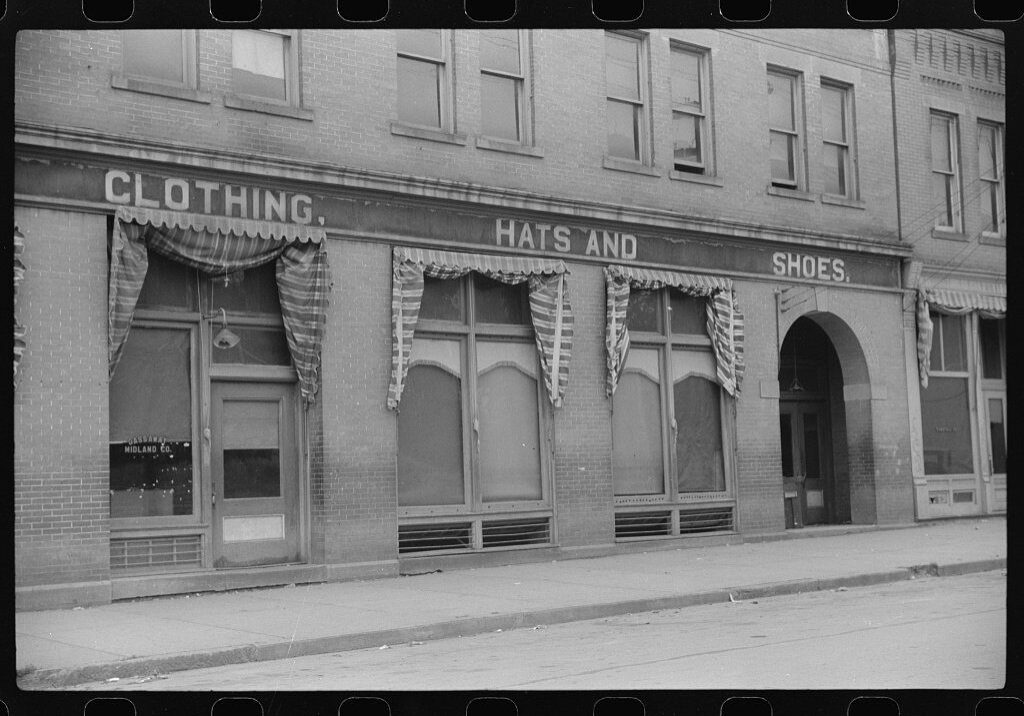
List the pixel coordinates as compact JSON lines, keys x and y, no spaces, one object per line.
{"x":691,"y":143}
{"x":668,"y":419}
{"x":503,"y":100}
{"x":945,"y":411}
{"x":264,"y":65}
{"x":945,"y":148}
{"x":424,"y":78}
{"x":785,"y":119}
{"x":990,"y":172}
{"x":162,"y":56}
{"x":626,"y":87}
{"x":836,"y":124}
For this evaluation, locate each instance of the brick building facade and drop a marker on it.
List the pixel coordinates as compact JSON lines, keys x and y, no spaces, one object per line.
{"x":738,"y":187}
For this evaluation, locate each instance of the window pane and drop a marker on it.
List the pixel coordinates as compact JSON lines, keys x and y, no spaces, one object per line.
{"x":997,"y":435}
{"x":442,"y":299}
{"x":954,"y":350}
{"x":945,"y":421}
{"x":257,"y":345}
{"x":988,"y":205}
{"x":940,"y":144}
{"x":151,"y":425}
{"x":644,"y":311}
{"x":509,"y":435}
{"x":833,"y":117}
{"x":686,"y":144}
{"x":498,"y":302}
{"x":258,"y":62}
{"x":699,"y":459}
{"x":638,"y":464}
{"x":155,"y":54}
{"x":987,"y":152}
{"x":252,"y":461}
{"x":168,"y":285}
{"x":499,"y":107}
{"x":786,"y":432}
{"x":686,"y":89}
{"x":419,"y":92}
{"x":780,"y":102}
{"x":623,"y":130}
{"x":782,"y":157}
{"x":991,"y":348}
{"x":835,"y":169}
{"x":689,"y":314}
{"x":430,"y":439}
{"x":420,"y":42}
{"x":622,"y":67}
{"x":499,"y":50}
{"x":251,"y":291}
{"x":942,"y":197}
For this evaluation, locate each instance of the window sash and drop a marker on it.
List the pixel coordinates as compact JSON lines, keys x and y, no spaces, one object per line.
{"x":442,"y":84}
{"x":791,"y":130}
{"x":992,"y":199}
{"x":637,"y":101}
{"x":187,"y":77}
{"x":945,"y":149}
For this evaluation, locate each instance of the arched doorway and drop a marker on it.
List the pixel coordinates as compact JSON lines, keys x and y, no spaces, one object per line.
{"x":813,"y":426}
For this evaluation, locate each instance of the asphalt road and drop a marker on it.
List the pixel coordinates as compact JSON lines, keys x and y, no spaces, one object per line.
{"x":930,"y":633}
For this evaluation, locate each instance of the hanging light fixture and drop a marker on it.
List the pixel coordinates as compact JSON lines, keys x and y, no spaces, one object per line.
{"x":795,"y":386}
{"x":225,"y":338}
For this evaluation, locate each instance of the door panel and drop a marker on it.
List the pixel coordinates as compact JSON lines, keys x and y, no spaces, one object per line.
{"x":995,"y":435}
{"x":255,"y":470}
{"x":806,"y":457}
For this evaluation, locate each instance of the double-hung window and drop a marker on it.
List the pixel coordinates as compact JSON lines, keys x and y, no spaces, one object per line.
{"x":503,"y":91}
{"x":626,"y":87}
{"x":691,"y":144}
{"x":945,"y":147}
{"x":264,"y":66}
{"x":990,"y":173}
{"x":836,"y":131}
{"x":945,"y":403}
{"x":669,"y":419}
{"x":424,"y":78}
{"x":166,"y":57}
{"x":785,"y":120}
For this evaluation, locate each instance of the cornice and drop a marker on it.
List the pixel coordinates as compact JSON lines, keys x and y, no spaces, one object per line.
{"x":83,"y":143}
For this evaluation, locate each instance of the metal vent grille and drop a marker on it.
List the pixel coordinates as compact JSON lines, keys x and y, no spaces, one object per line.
{"x":516,"y":533}
{"x":431,"y":538}
{"x":712,"y":519}
{"x":149,"y":552}
{"x":643,"y":524}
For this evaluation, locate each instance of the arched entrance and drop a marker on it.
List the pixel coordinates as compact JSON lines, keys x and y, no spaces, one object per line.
{"x":825,"y":424}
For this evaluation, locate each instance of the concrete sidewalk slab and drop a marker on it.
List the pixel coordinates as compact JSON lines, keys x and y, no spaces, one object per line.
{"x":62,"y":647}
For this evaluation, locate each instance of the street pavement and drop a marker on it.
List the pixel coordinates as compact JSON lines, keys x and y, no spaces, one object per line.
{"x":58,"y":648}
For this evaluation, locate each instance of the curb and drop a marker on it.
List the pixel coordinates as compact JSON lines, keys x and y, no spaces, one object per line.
{"x":145,"y":666}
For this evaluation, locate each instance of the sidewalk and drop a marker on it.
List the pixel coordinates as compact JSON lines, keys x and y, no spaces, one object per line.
{"x":63,"y":647}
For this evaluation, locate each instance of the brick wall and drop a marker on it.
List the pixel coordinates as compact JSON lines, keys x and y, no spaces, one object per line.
{"x":61,"y":463}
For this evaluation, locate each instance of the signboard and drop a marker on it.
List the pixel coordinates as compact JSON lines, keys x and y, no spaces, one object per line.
{"x":460,"y":223}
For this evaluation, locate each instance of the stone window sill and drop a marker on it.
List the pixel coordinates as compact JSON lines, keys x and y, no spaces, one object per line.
{"x":842,"y":201}
{"x":255,"y":105}
{"x":428,"y":133}
{"x":948,"y":234}
{"x":133,"y":84}
{"x":992,"y":239}
{"x":630,"y":165}
{"x":501,"y":145}
{"x":791,"y":193}
{"x":696,"y":178}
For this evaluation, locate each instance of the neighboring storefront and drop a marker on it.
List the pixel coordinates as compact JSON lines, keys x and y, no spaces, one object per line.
{"x":555,"y":382}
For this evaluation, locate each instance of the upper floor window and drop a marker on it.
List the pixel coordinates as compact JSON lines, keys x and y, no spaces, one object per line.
{"x":691,"y":145}
{"x":990,"y":172}
{"x":785,"y":119}
{"x":836,"y":131}
{"x":164,"y":56}
{"x":626,"y":87}
{"x":264,"y":65}
{"x":945,"y":144}
{"x":503,"y":94}
{"x":424,"y":78}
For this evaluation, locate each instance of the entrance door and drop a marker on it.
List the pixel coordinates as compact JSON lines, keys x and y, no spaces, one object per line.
{"x":255,"y":470}
{"x":805,"y":458}
{"x":995,"y":413}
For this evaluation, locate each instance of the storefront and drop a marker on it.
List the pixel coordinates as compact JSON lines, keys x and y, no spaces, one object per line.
{"x":474,"y":379}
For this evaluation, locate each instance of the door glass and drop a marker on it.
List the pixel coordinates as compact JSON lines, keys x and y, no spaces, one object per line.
{"x":997,"y":435}
{"x":991,"y":348}
{"x":256,"y":345}
{"x":811,"y":448}
{"x":252,"y":463}
{"x":786,"y":431}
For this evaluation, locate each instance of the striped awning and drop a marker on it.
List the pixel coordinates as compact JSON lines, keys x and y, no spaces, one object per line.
{"x":224,"y":225}
{"x":952,"y":301}
{"x":19,"y":274}
{"x":724,"y":319}
{"x":550,"y":310}
{"x":961,"y":300}
{"x":302,"y":270}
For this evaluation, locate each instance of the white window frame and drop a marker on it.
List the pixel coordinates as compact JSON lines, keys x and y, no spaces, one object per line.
{"x":846,"y":144}
{"x":190,"y":62}
{"x":446,"y":94}
{"x":798,"y":152}
{"x":291,"y":70}
{"x":998,"y":180}
{"x":706,"y":165}
{"x":644,"y":102}
{"x":954,"y":205}
{"x":524,"y":90}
